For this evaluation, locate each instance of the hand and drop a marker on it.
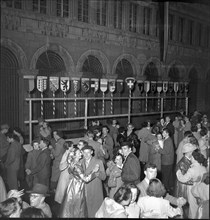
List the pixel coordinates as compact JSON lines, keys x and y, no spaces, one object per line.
{"x":28,"y":171}
{"x":50,"y":147}
{"x":16,"y":194}
{"x":181,"y":201}
{"x":96,"y":169}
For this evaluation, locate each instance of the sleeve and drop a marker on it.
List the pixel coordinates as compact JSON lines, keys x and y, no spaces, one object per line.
{"x":57,"y":150}
{"x":102,"y":173}
{"x":63,"y":163}
{"x":11,"y":156}
{"x":184,"y":178}
{"x":171,"y":199}
{"x":40,"y":163}
{"x":28,"y":161}
{"x":164,"y":150}
{"x":173,"y":211}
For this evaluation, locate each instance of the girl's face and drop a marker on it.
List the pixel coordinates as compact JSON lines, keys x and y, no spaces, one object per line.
{"x":162,"y":121}
{"x":78,"y":154}
{"x":198,"y":125}
{"x":159,"y":137}
{"x":126,"y":202}
{"x":118,"y":160}
{"x":134,"y":195}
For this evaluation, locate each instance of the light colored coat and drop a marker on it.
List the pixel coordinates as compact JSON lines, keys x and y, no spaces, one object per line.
{"x":94,"y":188}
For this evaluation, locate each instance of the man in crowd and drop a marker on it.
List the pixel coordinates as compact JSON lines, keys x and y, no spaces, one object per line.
{"x":131,"y":170}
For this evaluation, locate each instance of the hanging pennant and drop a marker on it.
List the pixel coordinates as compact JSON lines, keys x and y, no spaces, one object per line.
{"x":76,"y":86}
{"x":176,"y":87}
{"x":146,"y":86}
{"x":186,"y":87}
{"x":65,"y":86}
{"x":54,"y":85}
{"x":120,"y":85}
{"x":140,"y":84}
{"x":153,"y":86}
{"x":42,"y":86}
{"x":159,"y":86}
{"x":181,"y":87}
{"x":165,"y":86}
{"x":103,"y":88}
{"x":94,"y":84}
{"x":112,"y":85}
{"x":103,"y":85}
{"x":170,"y":87}
{"x":85,"y":84}
{"x":130,"y":82}
{"x":31,"y":83}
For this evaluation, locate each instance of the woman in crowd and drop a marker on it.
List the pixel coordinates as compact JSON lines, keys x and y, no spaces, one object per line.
{"x":45,"y":131}
{"x":203,"y":142}
{"x":194,"y":173}
{"x":113,"y":172}
{"x":181,"y":128}
{"x":10,"y":208}
{"x":115,"y":208}
{"x":176,"y":124}
{"x":3,"y":192}
{"x":64,"y":175}
{"x":154,"y":205}
{"x":74,"y":204}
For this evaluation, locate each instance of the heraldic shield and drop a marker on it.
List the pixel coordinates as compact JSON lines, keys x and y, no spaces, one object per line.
{"x":76,"y":84}
{"x":146,"y":86}
{"x":130,"y":82}
{"x":103,"y":85}
{"x":41,"y":83}
{"x":140,"y":84}
{"x":94,"y":84}
{"x":112,"y":85}
{"x":120,"y":85}
{"x":54,"y":83}
{"x":65,"y":84}
{"x":85,"y":84}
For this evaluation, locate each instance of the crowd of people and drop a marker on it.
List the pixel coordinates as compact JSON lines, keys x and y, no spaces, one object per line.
{"x":158,"y":171}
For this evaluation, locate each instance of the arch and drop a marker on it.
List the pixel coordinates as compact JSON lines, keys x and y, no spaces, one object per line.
{"x":131,"y":59}
{"x":180,"y":67}
{"x":97,"y":54}
{"x":198,"y":69}
{"x":156,"y":62}
{"x":62,"y":52}
{"x":17,"y":51}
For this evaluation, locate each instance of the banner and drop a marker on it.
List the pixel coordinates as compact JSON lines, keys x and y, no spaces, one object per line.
{"x":85,"y":84}
{"x":54,"y":83}
{"x":41,"y":83}
{"x":153,"y":86}
{"x":130,"y":81}
{"x":146,"y":86}
{"x":31,"y":83}
{"x":94,"y":84}
{"x":103,"y":85}
{"x":76,"y":84}
{"x":140,"y":84}
{"x":159,"y":86}
{"x":171,"y":87}
{"x":165,"y":86}
{"x":176,"y":87}
{"x":181,"y":87}
{"x":112,"y":85}
{"x":64,"y":84}
{"x":120,"y":85}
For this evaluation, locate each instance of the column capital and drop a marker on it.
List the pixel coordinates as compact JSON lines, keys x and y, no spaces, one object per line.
{"x":28,"y":72}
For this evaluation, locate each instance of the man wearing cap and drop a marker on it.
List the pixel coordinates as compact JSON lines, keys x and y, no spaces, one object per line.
{"x":94,"y":188}
{"x":3,"y":148}
{"x":37,"y":198}
{"x":184,"y":165}
{"x":37,"y":127}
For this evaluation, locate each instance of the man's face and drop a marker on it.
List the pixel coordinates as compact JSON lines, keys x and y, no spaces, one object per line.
{"x":165,"y":134}
{"x":55,"y":135}
{"x":87,"y":153}
{"x":80,"y":145}
{"x":104,"y":131}
{"x":36,"y":199}
{"x":150,"y":173}
{"x":125,"y":150}
{"x":167,"y":119}
{"x":134,"y":195}
{"x":36,"y":146}
{"x":42,"y":144}
{"x":9,"y":139}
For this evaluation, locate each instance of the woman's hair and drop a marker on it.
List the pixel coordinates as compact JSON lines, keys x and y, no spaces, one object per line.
{"x":8,"y":207}
{"x":118,"y":154}
{"x":133,"y":186}
{"x":155,"y":130}
{"x":156,"y":188}
{"x":32,"y":212}
{"x":122,"y":194}
{"x":199,"y":157}
{"x":193,"y":140}
{"x":67,"y":145}
{"x":203,"y":131}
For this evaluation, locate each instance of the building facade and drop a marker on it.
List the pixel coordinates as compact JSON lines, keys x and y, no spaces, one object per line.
{"x":100,"y":39}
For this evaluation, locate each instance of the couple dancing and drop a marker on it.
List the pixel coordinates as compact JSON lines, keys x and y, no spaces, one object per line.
{"x":85,"y":182}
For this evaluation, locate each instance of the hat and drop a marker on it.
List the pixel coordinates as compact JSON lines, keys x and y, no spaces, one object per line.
{"x":188,"y":148}
{"x":4,"y":126}
{"x":39,"y":188}
{"x":87,"y":147}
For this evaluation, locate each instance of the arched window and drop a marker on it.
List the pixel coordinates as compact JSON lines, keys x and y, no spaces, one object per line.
{"x":174,"y":73}
{"x":151,"y":72}
{"x":124,"y":69}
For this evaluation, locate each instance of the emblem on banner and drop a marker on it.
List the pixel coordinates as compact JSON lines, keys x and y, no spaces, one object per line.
{"x":64,"y":84}
{"x":120,"y":85}
{"x":94,"y":84}
{"x":186,"y":87}
{"x":41,"y":83}
{"x":85,"y":84}
{"x":153,"y":86}
{"x":181,"y":87}
{"x":176,"y":87}
{"x":165,"y":86}
{"x":171,"y":87}
{"x":76,"y":84}
{"x":146,"y":86}
{"x":140,"y":84}
{"x":112,"y":85}
{"x":159,"y":86}
{"x":103,"y":85}
{"x":54,"y":83}
{"x":130,"y":81}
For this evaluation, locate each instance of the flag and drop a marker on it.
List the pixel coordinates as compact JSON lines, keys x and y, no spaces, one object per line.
{"x":54,"y":83}
{"x":140,"y":84}
{"x":153,"y":86}
{"x":64,"y":84}
{"x":176,"y":87}
{"x":159,"y":86}
{"x":31,"y":83}
{"x":103,"y":85}
{"x":146,"y":86}
{"x":94,"y":84}
{"x":76,"y":84}
{"x":112,"y":85}
{"x":41,"y":83}
{"x":165,"y":86}
{"x":130,"y":81}
{"x":85,"y":84}
{"x":120,"y":85}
